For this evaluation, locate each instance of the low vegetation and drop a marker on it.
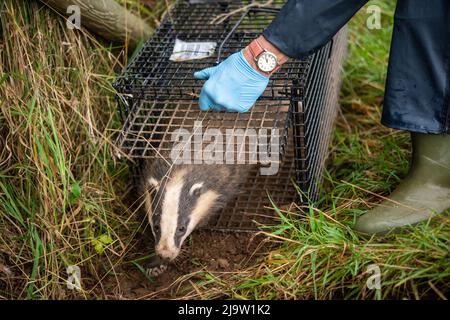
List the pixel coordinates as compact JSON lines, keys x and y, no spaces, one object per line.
{"x":63,"y":191}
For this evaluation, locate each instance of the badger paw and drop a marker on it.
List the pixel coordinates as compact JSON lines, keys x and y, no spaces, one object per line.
{"x":155,"y":267}
{"x":156,"y":271}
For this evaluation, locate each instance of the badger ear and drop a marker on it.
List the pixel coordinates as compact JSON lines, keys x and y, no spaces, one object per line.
{"x":152,"y":182}
{"x":196,"y":189}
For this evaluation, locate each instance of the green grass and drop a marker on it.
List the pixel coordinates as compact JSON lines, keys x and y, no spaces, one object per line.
{"x":60,"y":186}
{"x":63,"y":192}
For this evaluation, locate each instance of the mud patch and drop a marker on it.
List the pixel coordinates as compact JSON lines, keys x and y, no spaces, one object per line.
{"x":206,"y":251}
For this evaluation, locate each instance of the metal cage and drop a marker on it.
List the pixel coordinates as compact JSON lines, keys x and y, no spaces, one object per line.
{"x":157,"y":96}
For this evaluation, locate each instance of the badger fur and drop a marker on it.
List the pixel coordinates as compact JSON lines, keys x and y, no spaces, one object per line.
{"x":179,"y":198}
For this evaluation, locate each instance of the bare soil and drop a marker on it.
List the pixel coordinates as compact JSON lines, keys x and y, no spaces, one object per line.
{"x":215,"y":252}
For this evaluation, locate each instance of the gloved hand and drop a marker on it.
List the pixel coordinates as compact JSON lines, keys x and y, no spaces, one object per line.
{"x":233,"y":85}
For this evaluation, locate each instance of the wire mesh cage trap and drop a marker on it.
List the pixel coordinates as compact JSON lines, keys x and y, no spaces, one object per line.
{"x":158,"y":96}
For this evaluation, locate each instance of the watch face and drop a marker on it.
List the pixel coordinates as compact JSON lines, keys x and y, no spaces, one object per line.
{"x":267,"y":61}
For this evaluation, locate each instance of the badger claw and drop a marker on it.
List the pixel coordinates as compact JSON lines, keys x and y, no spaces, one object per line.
{"x":156,"y":271}
{"x":155,"y":267}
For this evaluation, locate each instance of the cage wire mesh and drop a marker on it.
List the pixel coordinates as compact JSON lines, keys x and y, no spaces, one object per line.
{"x":158,"y":96}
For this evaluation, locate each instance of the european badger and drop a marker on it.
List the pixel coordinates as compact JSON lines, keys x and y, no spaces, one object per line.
{"x":180,"y":197}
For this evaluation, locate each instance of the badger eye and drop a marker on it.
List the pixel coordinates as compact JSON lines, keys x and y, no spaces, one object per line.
{"x":156,"y":228}
{"x":181,"y":229}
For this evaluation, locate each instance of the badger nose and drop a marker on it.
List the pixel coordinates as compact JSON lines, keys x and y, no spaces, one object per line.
{"x":162,"y":248}
{"x":165,"y":256}
{"x":164,"y":253}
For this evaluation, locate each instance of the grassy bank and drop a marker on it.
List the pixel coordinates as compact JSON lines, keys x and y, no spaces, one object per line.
{"x":63,"y":193}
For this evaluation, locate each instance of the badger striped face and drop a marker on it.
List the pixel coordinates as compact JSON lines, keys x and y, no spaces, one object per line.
{"x":179,"y":203}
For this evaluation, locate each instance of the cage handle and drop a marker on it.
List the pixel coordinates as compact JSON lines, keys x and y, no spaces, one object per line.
{"x":238,"y":23}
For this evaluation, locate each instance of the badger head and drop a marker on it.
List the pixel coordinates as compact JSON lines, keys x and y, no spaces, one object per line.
{"x":176,"y":203}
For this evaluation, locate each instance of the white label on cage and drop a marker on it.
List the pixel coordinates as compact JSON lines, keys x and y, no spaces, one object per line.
{"x":184,"y":51}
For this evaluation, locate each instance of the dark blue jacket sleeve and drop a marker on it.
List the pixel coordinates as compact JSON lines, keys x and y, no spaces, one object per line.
{"x":303,"y":26}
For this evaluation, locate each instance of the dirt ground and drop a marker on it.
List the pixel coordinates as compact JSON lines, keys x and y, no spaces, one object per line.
{"x":215,"y":252}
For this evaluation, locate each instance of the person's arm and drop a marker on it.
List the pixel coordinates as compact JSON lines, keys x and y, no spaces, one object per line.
{"x":304,"y":26}
{"x":300,"y":28}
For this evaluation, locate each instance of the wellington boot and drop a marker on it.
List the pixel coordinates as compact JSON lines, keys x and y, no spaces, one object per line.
{"x":423,"y":193}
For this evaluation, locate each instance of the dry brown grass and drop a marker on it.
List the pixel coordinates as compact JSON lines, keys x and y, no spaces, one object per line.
{"x":61,"y":188}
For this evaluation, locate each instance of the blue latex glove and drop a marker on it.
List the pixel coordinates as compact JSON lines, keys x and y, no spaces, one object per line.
{"x":233,"y":85}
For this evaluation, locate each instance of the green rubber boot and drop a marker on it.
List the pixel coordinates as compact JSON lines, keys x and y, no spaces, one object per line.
{"x":422,"y":194}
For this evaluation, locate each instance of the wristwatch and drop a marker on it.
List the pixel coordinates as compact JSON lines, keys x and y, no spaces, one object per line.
{"x":266,"y":61}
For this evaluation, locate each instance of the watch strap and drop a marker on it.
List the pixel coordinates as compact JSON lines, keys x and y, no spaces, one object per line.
{"x":255,"y":49}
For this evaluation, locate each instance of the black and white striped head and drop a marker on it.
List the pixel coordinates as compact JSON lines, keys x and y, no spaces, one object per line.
{"x":176,"y":202}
